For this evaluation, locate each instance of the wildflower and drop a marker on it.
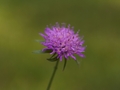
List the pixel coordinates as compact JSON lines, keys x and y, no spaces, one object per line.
{"x":63,"y":42}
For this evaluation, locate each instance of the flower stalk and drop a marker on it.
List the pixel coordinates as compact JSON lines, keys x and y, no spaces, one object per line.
{"x":53,"y":75}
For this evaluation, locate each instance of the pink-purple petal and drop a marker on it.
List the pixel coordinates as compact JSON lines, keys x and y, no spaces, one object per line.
{"x":63,"y":41}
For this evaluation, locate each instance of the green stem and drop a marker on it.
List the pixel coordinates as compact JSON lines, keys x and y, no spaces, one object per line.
{"x":51,"y":79}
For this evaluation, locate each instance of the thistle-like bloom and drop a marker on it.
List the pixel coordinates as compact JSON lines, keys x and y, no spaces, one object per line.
{"x":63,"y":41}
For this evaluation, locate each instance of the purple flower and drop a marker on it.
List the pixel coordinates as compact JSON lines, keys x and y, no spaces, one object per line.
{"x":63,"y":41}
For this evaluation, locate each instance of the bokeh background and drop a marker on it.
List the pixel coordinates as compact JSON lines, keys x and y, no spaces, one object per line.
{"x":21,"y":21}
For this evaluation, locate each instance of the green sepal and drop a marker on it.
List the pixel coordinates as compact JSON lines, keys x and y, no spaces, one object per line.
{"x":52,"y":55}
{"x":40,"y":51}
{"x":53,"y":59}
{"x":78,"y":63}
{"x":65,"y":62}
{"x":47,"y":51}
{"x":37,"y":51}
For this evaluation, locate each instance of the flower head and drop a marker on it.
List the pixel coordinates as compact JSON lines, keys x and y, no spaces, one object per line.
{"x":63,"y":41}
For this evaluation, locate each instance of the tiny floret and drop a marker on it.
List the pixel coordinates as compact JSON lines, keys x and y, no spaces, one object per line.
{"x":63,"y":41}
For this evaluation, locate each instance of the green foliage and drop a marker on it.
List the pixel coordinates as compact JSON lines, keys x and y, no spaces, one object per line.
{"x":65,"y":62}
{"x":21,"y":21}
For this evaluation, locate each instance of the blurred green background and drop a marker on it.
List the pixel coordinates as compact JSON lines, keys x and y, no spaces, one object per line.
{"x":20,"y":24}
